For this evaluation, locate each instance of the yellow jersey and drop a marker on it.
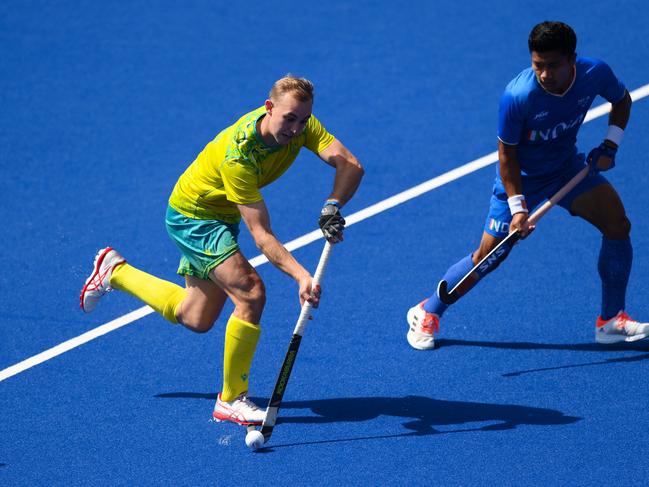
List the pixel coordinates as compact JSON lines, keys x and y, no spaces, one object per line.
{"x":232,"y":168}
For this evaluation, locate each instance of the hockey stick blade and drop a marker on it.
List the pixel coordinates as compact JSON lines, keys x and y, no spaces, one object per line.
{"x":481,"y":269}
{"x":280,"y":386}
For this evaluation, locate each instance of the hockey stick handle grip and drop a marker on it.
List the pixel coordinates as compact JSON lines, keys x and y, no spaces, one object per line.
{"x":322,"y":264}
{"x":317,"y":277}
{"x":543,"y":209}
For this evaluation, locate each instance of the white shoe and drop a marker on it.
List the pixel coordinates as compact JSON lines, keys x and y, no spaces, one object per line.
{"x":241,"y":411}
{"x":423,"y":326}
{"x":620,"y":328}
{"x":98,"y":283}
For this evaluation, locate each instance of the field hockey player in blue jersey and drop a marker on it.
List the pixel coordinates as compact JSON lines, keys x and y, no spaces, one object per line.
{"x":540,"y":113}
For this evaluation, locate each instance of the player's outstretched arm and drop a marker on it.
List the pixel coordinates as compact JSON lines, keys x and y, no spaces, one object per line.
{"x":257,"y":219}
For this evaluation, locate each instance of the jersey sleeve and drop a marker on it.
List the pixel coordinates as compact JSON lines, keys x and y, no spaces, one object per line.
{"x":240,"y":182}
{"x":317,"y":137}
{"x":510,"y":119}
{"x":610,"y":87}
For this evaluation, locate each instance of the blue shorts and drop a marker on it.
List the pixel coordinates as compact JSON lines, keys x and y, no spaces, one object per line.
{"x":204,"y":244}
{"x":536,"y":190}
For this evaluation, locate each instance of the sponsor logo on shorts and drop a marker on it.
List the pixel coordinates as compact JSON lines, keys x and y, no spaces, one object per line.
{"x":498,"y":226}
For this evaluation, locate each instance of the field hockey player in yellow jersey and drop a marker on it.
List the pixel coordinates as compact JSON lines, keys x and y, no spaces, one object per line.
{"x":205,"y":208}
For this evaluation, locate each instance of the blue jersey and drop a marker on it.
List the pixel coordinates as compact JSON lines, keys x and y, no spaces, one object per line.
{"x":544,"y":126}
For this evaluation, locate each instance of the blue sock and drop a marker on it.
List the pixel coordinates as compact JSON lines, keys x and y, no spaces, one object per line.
{"x":453,"y":275}
{"x":614,"y":267}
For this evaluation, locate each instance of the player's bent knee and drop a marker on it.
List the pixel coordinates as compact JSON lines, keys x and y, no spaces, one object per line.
{"x":618,"y":229}
{"x":197,"y":323}
{"x":626,"y":226}
{"x":199,"y":326}
{"x":482,"y":252}
{"x":254,"y":290}
{"x":257,"y":295}
{"x":251,"y":298}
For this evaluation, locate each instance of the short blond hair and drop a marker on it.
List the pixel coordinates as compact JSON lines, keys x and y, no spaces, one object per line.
{"x":300,"y":88}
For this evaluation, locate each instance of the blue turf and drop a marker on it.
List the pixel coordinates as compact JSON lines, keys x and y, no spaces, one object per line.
{"x":103,"y":106}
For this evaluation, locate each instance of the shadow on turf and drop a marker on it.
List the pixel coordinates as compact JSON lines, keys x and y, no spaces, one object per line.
{"x":636,"y":358}
{"x":423,"y":415}
{"x":639,"y":346}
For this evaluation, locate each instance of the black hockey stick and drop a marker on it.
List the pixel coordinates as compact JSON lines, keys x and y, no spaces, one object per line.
{"x":500,"y":251}
{"x":293,"y":347}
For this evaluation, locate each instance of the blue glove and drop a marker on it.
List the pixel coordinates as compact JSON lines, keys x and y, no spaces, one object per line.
{"x":602,"y":150}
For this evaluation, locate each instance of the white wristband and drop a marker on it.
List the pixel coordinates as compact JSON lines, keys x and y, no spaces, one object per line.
{"x":517,"y":204}
{"x":614,"y":134}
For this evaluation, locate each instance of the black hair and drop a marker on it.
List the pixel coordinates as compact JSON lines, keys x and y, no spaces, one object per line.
{"x":552,"y":36}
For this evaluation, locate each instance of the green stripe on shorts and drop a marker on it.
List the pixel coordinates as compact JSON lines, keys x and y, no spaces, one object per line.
{"x":204,"y":244}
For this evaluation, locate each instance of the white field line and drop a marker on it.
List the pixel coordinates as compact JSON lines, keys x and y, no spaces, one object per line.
{"x":299,"y":242}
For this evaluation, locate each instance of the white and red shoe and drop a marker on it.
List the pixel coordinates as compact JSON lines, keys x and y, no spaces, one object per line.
{"x":241,"y":411}
{"x":620,"y":328}
{"x":423,"y":326}
{"x":98,"y":283}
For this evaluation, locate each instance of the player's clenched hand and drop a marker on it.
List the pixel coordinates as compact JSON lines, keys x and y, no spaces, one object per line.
{"x":331,"y":222}
{"x":308,"y":292}
{"x":519,"y":222}
{"x":602,"y":157}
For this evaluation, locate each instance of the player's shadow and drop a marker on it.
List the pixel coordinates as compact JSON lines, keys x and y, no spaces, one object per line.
{"x":641,"y":346}
{"x":608,"y":361}
{"x":422,"y":415}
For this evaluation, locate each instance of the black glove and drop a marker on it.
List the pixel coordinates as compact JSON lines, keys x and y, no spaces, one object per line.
{"x":603,"y":149}
{"x":331,"y":222}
